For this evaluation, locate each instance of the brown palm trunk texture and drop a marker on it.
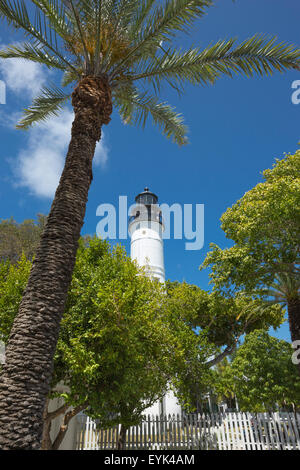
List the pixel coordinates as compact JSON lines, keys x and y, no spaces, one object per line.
{"x":25,"y":380}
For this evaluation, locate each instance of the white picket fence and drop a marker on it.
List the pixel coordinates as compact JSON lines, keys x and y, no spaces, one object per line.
{"x":213,"y":431}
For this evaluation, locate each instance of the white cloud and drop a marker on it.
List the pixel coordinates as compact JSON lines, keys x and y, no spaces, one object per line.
{"x":22,"y":76}
{"x":101,"y":153}
{"x":40,"y":164}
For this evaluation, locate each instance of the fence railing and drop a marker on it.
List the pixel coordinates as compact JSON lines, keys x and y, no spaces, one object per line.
{"x":213,"y":431}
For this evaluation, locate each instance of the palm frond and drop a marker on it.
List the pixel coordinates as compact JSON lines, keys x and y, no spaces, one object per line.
{"x":142,"y":12}
{"x":47,"y":104}
{"x":135,"y":107}
{"x":88,"y":9}
{"x":175,"y":15}
{"x":256,"y":55}
{"x":122,"y":16}
{"x":261,"y":55}
{"x":79,"y":26}
{"x":34,"y":53}
{"x":98,"y":8}
{"x":69,"y":77}
{"x":165,"y":21}
{"x":191,"y":65}
{"x":286,"y":286}
{"x":16,"y":14}
{"x":57,"y":16}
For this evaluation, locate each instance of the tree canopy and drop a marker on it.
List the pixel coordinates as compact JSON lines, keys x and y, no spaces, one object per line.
{"x":125,"y":339}
{"x":261,"y":374}
{"x":119,"y":346}
{"x":265,"y":227}
{"x":17,"y":238}
{"x":219,"y":322}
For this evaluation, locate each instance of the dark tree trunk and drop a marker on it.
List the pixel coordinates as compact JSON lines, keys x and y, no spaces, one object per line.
{"x":47,"y":444}
{"x":47,"y":421}
{"x":25,"y":381}
{"x":122,"y":438}
{"x":46,"y":439}
{"x":65,"y":425}
{"x":294,"y":320}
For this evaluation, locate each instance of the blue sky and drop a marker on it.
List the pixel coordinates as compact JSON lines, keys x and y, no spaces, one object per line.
{"x":236,"y":129}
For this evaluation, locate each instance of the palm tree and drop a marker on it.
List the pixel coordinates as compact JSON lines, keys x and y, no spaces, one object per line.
{"x":115,"y":52}
{"x":286,"y":290}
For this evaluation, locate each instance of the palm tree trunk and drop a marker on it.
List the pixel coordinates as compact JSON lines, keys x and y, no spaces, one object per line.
{"x":25,"y":381}
{"x":294,"y":320}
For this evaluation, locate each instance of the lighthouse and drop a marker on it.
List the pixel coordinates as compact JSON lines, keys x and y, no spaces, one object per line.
{"x":146,"y":228}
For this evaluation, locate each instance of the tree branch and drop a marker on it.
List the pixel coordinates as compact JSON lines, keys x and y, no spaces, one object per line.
{"x":64,"y":427}
{"x":57,"y":412}
{"x":228,"y":350}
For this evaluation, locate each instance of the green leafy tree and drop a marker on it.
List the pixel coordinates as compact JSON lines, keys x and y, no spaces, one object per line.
{"x":13,"y":280}
{"x":115,"y":52}
{"x":123,"y":341}
{"x":117,"y":338}
{"x":261,"y":374}
{"x":119,"y":345}
{"x":16,"y":239}
{"x":219,"y":322}
{"x":265,"y":226}
{"x":221,"y":387}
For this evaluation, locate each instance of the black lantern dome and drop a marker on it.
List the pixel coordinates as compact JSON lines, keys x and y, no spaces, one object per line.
{"x":147,"y":198}
{"x":146,"y":208}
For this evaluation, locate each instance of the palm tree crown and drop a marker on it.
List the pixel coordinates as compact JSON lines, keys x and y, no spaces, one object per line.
{"x":285,"y":288}
{"x":131,"y":43}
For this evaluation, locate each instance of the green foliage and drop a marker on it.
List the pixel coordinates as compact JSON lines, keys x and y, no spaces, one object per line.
{"x":265,"y":226}
{"x":285,"y":288}
{"x":124,"y":339}
{"x":118,"y":337}
{"x":49,"y":103}
{"x":261,"y":374}
{"x":16,"y":239}
{"x":134,"y":44}
{"x":13,"y":280}
{"x":120,"y":343}
{"x":215,"y":323}
{"x":222,"y":320}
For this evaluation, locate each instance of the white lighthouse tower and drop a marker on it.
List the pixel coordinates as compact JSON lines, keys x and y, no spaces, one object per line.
{"x":145,"y":229}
